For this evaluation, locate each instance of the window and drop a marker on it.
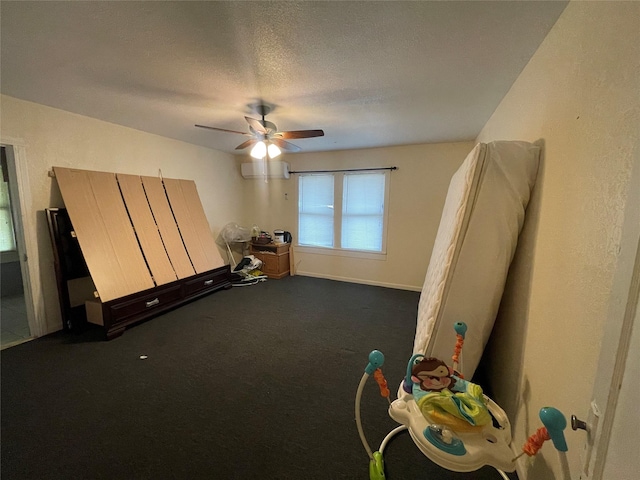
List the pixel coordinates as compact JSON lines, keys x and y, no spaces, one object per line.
{"x":345,"y":211}
{"x":363,"y":211}
{"x":315,"y":210}
{"x":7,"y":236}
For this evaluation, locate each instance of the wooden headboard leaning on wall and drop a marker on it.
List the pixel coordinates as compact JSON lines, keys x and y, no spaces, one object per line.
{"x":146,"y":242}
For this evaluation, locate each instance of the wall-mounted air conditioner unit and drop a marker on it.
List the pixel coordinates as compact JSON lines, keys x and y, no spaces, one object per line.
{"x":262,"y":168}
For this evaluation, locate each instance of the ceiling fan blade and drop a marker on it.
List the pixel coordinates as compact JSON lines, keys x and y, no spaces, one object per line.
{"x":248,"y":143}
{"x":221,"y":129}
{"x":290,"y":147}
{"x":256,"y":125}
{"x":300,"y":134}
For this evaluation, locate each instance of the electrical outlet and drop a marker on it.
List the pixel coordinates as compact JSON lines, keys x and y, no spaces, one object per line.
{"x":592,"y":428}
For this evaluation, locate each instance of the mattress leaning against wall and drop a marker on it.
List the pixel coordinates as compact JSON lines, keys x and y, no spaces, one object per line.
{"x":476,"y":241}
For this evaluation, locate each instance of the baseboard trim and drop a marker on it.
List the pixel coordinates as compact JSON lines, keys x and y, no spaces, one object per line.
{"x":361,"y":281}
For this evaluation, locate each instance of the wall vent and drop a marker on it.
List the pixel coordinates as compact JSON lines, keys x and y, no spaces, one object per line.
{"x":262,"y":168}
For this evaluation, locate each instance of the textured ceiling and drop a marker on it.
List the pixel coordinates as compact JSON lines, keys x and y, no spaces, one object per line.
{"x":369,"y":73}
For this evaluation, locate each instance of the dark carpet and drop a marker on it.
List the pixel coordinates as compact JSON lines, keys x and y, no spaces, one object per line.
{"x":252,"y":382}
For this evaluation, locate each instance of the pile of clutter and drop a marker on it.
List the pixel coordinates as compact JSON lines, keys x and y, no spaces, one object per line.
{"x":249,"y":271}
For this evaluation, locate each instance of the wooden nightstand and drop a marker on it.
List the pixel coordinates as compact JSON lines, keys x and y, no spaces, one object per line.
{"x":275,"y":258}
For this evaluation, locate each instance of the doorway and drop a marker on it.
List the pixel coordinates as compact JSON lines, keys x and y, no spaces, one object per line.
{"x":14,"y":323}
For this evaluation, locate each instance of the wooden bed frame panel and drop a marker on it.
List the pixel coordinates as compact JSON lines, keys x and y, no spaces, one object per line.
{"x":182,"y":212}
{"x":104,"y":232}
{"x":167,"y":226}
{"x":200,"y":223}
{"x":133,"y":246}
{"x":121,"y":233}
{"x":146,"y":229}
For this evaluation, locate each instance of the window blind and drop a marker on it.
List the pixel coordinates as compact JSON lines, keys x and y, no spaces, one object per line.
{"x":315,"y":210}
{"x":363,"y":211}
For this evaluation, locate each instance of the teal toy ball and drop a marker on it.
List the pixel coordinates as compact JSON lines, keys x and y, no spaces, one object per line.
{"x":555,"y":423}
{"x":376,"y":359}
{"x":460,"y":328}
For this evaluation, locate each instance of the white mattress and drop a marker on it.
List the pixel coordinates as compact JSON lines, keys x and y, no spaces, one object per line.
{"x":476,"y":240}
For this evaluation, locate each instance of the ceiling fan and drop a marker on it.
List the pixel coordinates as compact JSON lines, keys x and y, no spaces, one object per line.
{"x":266,"y":139}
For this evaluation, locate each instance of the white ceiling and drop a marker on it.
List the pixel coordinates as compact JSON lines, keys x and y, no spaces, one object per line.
{"x":368,"y":73}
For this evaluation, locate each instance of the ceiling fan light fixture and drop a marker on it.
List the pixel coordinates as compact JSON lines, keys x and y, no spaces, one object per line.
{"x":265,"y":136}
{"x":273,"y":150}
{"x":259,"y":150}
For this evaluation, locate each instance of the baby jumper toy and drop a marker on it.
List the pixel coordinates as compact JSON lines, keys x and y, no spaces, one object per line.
{"x":450,"y":419}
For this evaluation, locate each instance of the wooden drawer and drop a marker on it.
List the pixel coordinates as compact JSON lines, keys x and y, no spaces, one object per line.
{"x":143,"y":304}
{"x":203,"y":283}
{"x":269,"y":263}
{"x":117,"y":314}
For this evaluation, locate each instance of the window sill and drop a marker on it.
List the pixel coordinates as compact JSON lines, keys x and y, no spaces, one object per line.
{"x":340,"y":252}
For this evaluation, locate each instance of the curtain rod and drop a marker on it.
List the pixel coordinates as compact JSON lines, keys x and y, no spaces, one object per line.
{"x":345,"y":170}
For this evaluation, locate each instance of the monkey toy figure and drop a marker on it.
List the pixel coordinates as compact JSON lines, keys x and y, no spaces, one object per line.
{"x":433,"y":375}
{"x":445,"y":398}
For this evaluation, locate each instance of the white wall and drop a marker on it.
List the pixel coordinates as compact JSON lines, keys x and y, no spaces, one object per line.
{"x":580,"y":95}
{"x":49,"y":137}
{"x":416,"y":197}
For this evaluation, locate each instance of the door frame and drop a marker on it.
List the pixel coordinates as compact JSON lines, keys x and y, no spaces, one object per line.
{"x":26,"y":233}
{"x":623,"y":305}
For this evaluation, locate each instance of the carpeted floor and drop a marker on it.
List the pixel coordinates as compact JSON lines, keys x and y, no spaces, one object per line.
{"x":252,"y":382}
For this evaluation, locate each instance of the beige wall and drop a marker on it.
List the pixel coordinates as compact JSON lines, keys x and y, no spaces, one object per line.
{"x":580,"y":95}
{"x":416,"y":197}
{"x":49,"y":137}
